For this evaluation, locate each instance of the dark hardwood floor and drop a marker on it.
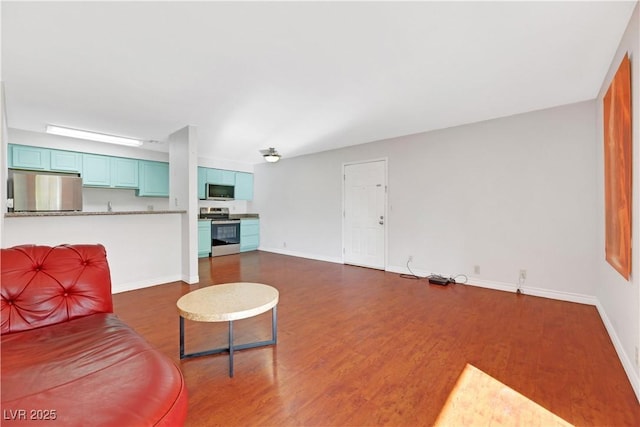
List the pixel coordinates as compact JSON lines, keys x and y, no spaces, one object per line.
{"x":365,"y":347}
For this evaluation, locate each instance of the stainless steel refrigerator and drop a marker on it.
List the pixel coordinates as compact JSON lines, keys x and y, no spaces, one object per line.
{"x":39,"y":191}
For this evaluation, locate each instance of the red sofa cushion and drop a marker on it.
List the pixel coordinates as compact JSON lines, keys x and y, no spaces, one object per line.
{"x":43,"y":285}
{"x":95,"y":371}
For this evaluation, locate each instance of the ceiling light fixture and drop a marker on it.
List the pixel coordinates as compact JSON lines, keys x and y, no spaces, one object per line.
{"x":272,"y":155}
{"x":93,"y":136}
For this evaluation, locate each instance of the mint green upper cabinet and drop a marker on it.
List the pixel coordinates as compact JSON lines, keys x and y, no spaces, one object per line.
{"x":244,"y":186}
{"x":124,"y":172}
{"x":153,"y":179}
{"x":23,"y":157}
{"x":66,"y":161}
{"x":202,"y":183}
{"x":221,"y":177}
{"x":213,"y":176}
{"x":36,"y":158}
{"x":96,"y":170}
{"x":106,"y":171}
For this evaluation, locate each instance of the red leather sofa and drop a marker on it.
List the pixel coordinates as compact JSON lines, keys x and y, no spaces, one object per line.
{"x":66,"y":358}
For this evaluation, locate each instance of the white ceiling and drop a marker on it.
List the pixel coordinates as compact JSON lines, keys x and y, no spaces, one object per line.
{"x":301,"y":77}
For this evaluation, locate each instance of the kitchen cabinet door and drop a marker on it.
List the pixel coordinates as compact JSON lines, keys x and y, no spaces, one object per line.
{"x":244,"y":186}
{"x":221,"y":177}
{"x":124,"y":172}
{"x":23,"y":157}
{"x":106,"y":171}
{"x":153,"y":179}
{"x":202,"y":183}
{"x":66,"y":161}
{"x":249,"y":234}
{"x":96,"y":170}
{"x":204,"y":238}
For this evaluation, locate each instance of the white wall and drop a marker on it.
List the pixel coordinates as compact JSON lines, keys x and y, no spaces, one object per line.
{"x":3,"y":157}
{"x":300,"y":204}
{"x":619,"y":300}
{"x":96,"y":200}
{"x":183,"y":194}
{"x":3,"y":145}
{"x":225,"y":164}
{"x":507,"y":194}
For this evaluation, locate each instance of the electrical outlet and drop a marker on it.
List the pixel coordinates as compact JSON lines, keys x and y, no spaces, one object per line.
{"x":523,"y":274}
{"x":410,"y":258}
{"x":476,"y":269}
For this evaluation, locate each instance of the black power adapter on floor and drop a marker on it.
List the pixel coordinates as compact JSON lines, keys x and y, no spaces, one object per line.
{"x":438,"y":280}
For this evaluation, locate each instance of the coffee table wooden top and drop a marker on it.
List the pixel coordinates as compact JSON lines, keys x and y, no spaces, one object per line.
{"x":230,"y":301}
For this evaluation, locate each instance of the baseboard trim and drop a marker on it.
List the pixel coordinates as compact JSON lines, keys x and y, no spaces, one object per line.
{"x":627,"y":363}
{"x":131,"y":286}
{"x":301,"y":255}
{"x":510,"y":287}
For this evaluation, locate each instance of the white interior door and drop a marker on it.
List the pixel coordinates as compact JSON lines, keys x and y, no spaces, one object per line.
{"x":365,"y":214}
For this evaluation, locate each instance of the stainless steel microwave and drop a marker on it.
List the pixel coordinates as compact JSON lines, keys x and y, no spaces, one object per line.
{"x":220,"y":192}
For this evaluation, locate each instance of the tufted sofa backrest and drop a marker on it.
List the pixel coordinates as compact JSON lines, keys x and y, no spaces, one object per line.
{"x":43,"y":285}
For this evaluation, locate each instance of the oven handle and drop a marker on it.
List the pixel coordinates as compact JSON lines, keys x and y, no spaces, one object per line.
{"x":224,"y":222}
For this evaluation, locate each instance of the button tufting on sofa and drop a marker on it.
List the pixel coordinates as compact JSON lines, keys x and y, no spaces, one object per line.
{"x":75,"y":355}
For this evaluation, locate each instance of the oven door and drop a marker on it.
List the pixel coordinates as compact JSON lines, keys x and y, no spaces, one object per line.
{"x":225,"y":237}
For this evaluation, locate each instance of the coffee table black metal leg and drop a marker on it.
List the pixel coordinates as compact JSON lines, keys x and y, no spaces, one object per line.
{"x":231,"y":348}
{"x":181,"y":337}
{"x":274,"y":325}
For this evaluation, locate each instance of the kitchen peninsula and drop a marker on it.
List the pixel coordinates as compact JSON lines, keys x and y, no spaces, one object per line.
{"x":81,"y":213}
{"x":144,"y":248}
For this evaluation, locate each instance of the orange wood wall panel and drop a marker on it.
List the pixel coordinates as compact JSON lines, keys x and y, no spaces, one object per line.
{"x":618,"y":169}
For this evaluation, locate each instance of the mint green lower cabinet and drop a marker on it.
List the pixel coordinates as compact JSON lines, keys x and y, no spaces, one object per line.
{"x":204,"y":238}
{"x":24,"y":157}
{"x":153,"y":179}
{"x":249,"y":234}
{"x":66,"y":161}
{"x":244,"y":186}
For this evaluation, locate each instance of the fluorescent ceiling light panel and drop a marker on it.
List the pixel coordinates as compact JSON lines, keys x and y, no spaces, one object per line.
{"x":93,"y":136}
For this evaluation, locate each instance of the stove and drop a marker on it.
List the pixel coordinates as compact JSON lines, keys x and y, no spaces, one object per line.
{"x":214,"y":213}
{"x":225,"y":232}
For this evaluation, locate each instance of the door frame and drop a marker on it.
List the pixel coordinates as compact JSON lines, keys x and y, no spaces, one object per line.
{"x":385,"y":160}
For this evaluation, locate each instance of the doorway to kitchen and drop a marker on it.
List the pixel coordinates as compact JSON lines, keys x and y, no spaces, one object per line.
{"x":365,"y":213}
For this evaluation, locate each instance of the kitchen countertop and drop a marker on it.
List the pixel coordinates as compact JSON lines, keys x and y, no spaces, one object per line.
{"x":80,"y":213}
{"x":244,"y":216}
{"x":236,"y":216}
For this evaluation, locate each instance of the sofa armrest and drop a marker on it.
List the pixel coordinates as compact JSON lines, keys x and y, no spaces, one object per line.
{"x":44,"y":285}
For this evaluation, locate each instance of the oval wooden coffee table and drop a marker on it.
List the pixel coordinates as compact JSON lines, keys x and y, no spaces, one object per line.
{"x":226,"y":303}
